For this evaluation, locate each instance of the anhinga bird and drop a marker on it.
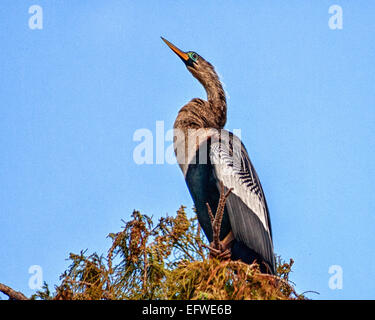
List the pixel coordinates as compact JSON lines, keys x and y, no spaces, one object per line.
{"x":241,"y":227}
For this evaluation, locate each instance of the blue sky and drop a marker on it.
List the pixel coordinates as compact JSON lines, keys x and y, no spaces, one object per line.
{"x":73,"y":94}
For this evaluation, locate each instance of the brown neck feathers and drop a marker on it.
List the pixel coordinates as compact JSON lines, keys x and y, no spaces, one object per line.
{"x":199,"y":113}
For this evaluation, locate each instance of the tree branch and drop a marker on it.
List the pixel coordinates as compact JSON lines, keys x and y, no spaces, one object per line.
{"x":12,"y":294}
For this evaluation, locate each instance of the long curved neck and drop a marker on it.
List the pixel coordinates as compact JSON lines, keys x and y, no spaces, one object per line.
{"x":216,"y":97}
{"x":205,"y":114}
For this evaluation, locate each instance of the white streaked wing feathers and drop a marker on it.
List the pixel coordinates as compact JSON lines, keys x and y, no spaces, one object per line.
{"x":234,"y":169}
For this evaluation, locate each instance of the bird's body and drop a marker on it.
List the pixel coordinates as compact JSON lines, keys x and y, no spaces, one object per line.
{"x":210,"y":156}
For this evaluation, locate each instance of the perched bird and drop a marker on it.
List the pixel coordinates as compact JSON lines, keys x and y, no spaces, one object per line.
{"x":212,"y":160}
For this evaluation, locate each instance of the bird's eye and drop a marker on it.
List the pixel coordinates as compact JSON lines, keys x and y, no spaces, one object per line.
{"x":193,"y":56}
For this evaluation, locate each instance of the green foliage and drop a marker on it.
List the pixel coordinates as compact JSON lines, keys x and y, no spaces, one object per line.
{"x":166,"y":261}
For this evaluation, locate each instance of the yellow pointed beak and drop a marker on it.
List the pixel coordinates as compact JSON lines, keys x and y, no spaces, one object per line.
{"x":176,"y":50}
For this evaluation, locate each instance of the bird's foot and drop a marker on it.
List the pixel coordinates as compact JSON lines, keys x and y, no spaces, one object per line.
{"x":221,"y":253}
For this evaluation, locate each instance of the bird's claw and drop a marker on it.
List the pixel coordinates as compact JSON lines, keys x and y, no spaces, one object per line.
{"x":223,"y":254}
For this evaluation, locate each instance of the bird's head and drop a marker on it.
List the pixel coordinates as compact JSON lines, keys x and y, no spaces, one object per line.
{"x":205,"y":73}
{"x":198,"y":66}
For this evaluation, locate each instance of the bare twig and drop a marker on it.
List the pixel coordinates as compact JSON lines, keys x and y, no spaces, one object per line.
{"x":278,"y":279}
{"x":12,"y":294}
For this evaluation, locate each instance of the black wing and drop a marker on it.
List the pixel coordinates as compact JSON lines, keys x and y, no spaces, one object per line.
{"x":246,"y":205}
